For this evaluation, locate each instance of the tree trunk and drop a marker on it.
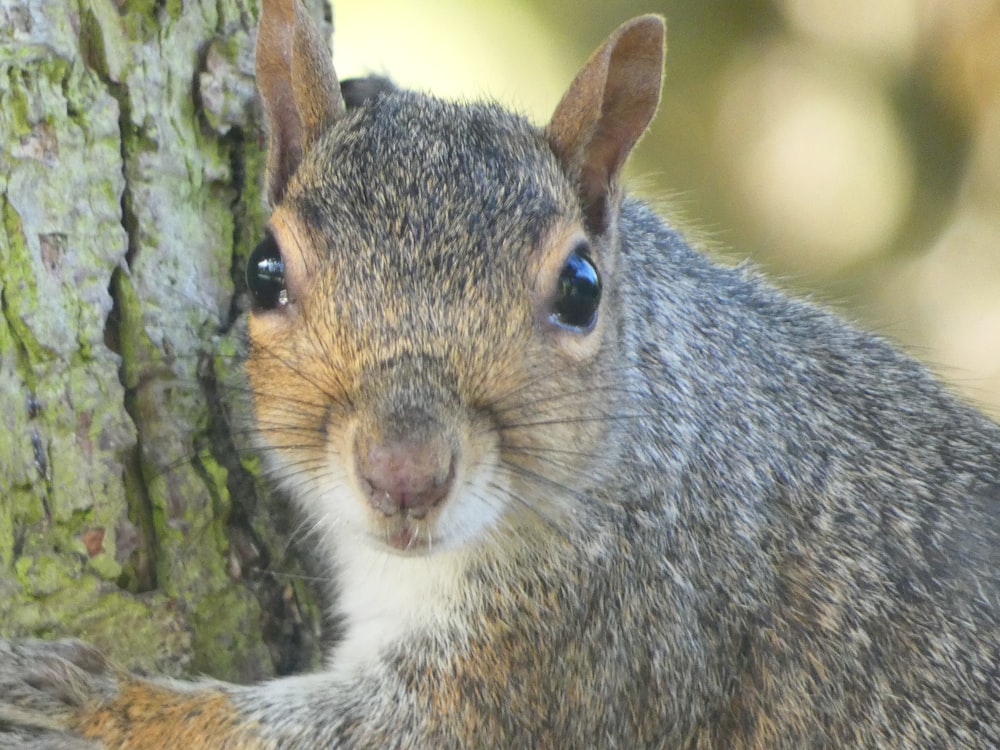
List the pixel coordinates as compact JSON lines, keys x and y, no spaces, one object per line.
{"x":131,"y":514}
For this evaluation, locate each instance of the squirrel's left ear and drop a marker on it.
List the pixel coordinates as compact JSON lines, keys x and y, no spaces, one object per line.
{"x":606,"y":110}
{"x":298,"y":86}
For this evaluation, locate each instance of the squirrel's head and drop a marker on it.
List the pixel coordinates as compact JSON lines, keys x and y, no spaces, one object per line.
{"x":433,"y":338}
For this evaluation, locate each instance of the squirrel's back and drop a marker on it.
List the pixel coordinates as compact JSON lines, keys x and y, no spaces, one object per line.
{"x":856,"y":501}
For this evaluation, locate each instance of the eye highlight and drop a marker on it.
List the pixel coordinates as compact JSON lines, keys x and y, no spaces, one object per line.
{"x":266,"y":275}
{"x":578,"y":292}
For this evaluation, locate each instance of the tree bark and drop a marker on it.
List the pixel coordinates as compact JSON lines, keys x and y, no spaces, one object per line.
{"x":131,"y":513}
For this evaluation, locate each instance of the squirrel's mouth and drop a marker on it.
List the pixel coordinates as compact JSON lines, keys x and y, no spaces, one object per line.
{"x":408,"y":536}
{"x":403,"y":539}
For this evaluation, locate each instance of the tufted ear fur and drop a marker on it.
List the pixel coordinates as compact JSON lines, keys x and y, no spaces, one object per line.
{"x":606,"y":110}
{"x":298,"y":86}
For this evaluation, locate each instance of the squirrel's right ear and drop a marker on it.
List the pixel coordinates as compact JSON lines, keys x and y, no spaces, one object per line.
{"x":298,"y":86}
{"x":606,"y":110}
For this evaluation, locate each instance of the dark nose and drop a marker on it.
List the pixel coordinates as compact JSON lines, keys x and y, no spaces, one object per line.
{"x":405,"y":475}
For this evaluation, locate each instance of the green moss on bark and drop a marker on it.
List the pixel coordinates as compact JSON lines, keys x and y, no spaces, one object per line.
{"x":123,"y":207}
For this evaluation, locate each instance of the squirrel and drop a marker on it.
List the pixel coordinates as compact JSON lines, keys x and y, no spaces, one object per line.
{"x":575,"y":484}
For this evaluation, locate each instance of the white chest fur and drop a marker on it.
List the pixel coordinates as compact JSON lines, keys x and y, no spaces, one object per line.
{"x":386,"y":597}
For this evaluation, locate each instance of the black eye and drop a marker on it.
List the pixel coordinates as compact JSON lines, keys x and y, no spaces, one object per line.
{"x":266,"y":275}
{"x":578,"y":292}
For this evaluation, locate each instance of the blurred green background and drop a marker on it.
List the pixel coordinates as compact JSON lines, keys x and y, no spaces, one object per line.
{"x":849,"y":147}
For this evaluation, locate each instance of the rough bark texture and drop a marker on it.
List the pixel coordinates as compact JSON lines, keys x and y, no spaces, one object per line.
{"x":130,"y":512}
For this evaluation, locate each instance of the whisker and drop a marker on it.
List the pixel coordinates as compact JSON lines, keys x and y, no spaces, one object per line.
{"x":573,"y":420}
{"x":548,"y":521}
{"x":527,"y":473}
{"x":544,"y":377}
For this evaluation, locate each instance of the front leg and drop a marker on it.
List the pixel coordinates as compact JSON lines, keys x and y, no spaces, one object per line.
{"x":373,"y":708}
{"x":64,"y":694}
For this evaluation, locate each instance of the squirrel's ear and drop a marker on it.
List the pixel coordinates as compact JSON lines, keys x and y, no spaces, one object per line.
{"x":606,"y":110}
{"x":298,"y":86}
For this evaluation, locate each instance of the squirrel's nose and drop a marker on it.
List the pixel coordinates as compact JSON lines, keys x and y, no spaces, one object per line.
{"x":411,"y":476}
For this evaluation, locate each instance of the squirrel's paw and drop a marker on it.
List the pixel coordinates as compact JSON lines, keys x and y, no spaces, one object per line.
{"x":43,"y":684}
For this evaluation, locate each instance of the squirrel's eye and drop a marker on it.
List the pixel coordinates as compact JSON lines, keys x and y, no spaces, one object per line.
{"x":578,"y":292}
{"x":266,"y":275}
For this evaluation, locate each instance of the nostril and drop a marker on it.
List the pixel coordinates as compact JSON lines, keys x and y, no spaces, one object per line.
{"x":405,"y":476}
{"x":380,"y":499}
